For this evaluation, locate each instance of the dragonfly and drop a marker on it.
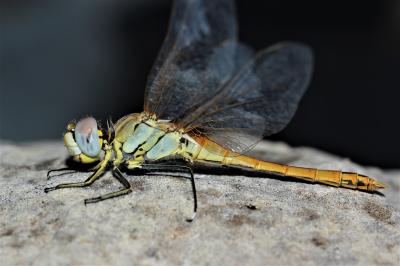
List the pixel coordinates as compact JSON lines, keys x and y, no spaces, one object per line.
{"x":208,"y":99}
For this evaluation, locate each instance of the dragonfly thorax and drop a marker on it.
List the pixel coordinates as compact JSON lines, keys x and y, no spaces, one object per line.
{"x":139,"y":138}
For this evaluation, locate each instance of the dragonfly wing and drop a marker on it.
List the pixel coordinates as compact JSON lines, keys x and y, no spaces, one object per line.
{"x":197,"y":56}
{"x":259,"y":100}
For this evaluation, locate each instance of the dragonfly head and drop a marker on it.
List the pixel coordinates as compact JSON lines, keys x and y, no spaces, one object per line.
{"x":84,"y":141}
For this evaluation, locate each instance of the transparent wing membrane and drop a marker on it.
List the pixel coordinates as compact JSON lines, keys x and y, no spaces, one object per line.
{"x":259,"y":101}
{"x":197,"y":56}
{"x":207,"y":83}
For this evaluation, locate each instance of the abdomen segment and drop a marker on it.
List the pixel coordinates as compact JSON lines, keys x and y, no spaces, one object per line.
{"x":207,"y":151}
{"x":328,"y":177}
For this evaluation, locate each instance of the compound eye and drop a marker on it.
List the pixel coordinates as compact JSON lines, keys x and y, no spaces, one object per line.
{"x":87,"y":137}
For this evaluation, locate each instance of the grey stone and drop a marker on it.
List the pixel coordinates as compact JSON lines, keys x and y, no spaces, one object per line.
{"x":241,"y":220}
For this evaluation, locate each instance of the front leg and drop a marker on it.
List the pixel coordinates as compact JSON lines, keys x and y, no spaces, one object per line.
{"x":70,"y":171}
{"x":87,"y":182}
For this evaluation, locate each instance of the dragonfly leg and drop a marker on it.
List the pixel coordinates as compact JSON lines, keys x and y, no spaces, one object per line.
{"x":66,"y":169}
{"x":89,"y":181}
{"x":133,"y":164}
{"x":179,"y":167}
{"x":69,"y":171}
{"x":126,"y":190}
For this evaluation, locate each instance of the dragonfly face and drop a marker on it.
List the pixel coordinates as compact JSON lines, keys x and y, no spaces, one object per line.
{"x":84,"y":140}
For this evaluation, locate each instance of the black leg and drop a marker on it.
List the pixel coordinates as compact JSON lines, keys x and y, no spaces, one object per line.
{"x":127,"y":187}
{"x":69,"y":171}
{"x":126,"y":190}
{"x":89,"y":181}
{"x":179,"y":167}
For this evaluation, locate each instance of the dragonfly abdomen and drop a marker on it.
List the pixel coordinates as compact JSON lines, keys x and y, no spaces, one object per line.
{"x":208,"y":151}
{"x":328,"y":177}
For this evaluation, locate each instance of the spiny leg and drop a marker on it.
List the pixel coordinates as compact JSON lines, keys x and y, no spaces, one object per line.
{"x":181,"y":167}
{"x":89,"y":181}
{"x":126,"y":190}
{"x":69,"y":171}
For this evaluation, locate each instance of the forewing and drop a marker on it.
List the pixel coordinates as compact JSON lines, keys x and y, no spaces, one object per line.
{"x":259,"y":101}
{"x":197,"y":57}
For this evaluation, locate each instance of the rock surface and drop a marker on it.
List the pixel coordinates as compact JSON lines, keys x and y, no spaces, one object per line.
{"x":241,"y":220}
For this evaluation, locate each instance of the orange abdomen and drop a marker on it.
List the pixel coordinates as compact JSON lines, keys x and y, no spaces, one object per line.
{"x":209,"y":151}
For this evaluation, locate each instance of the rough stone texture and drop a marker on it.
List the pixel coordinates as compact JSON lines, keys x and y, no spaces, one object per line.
{"x":241,"y":220}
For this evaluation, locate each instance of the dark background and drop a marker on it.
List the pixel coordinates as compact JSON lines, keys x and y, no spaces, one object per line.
{"x":61,"y":60}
